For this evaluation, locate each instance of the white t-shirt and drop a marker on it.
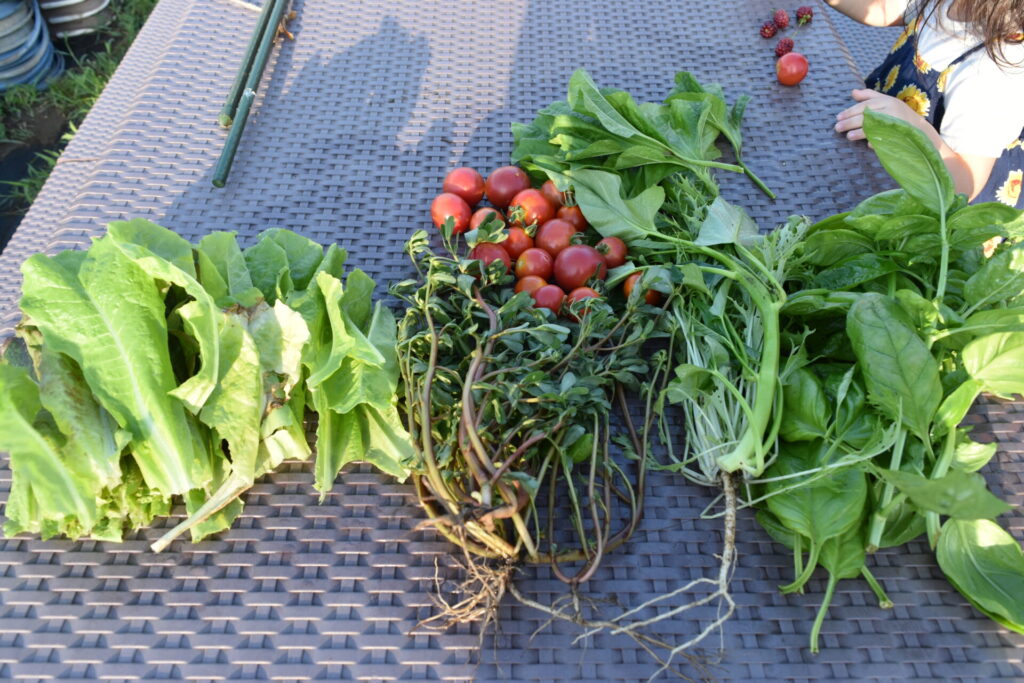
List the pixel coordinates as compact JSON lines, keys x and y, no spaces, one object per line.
{"x":984,"y":102}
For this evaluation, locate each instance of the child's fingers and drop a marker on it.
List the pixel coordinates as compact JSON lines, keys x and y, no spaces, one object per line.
{"x":865,"y":94}
{"x":855,"y":110}
{"x":856,"y":134}
{"x":851,"y":123}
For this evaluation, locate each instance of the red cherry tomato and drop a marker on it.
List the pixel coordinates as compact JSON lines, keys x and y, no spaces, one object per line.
{"x":651,"y":296}
{"x":579,"y":294}
{"x":534,"y":262}
{"x":466,"y":183}
{"x":535,"y":208}
{"x":554,"y":236}
{"x":530,"y":283}
{"x":551,"y":193}
{"x":518,"y":242}
{"x":573,"y":215}
{"x":614,"y":251}
{"x":549,"y":297}
{"x":447,"y":205}
{"x":505,"y":183}
{"x":576,"y":264}
{"x":481,"y":215}
{"x":489,"y":252}
{"x":791,"y":68}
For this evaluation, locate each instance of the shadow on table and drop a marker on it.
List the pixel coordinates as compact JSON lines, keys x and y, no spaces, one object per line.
{"x":322,"y":156}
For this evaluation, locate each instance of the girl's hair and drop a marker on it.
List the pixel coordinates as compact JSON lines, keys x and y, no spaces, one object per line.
{"x":996,"y":22}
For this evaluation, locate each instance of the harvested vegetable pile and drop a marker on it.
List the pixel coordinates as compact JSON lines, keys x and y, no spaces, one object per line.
{"x":829,"y":365}
{"x":896,"y":321}
{"x":147,"y":369}
{"x":548,"y":345}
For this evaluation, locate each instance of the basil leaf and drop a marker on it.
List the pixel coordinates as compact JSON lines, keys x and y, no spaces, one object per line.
{"x":955,"y":406}
{"x":855,"y":271}
{"x":779,"y":533}
{"x":828,"y":247}
{"x":961,"y":495}
{"x":986,"y":565}
{"x":971,"y":456}
{"x":805,"y":413}
{"x":911,"y":159}
{"x":900,"y":374}
{"x":1001,"y":278}
{"x":981,"y":215}
{"x":818,"y":509}
{"x":903,"y":524}
{"x":997,"y":361}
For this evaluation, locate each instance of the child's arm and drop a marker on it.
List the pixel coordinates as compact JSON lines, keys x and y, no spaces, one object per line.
{"x":970,"y":172}
{"x":872,"y":12}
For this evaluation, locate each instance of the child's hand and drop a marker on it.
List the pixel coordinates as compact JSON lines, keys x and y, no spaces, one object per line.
{"x":851,"y":121}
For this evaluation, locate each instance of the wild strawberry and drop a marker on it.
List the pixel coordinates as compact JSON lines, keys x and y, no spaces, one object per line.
{"x":804,"y":15}
{"x":768,"y":30}
{"x":785,"y":46}
{"x":781,"y":19}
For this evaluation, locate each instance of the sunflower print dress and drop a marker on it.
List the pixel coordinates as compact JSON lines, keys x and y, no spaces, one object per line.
{"x":906,"y":76}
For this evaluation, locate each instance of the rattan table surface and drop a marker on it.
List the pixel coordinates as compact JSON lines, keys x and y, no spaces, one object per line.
{"x":356,"y":123}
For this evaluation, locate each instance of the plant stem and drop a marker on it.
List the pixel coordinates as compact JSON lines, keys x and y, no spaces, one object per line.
{"x":881,"y":515}
{"x":822,"y":611}
{"x":883,"y":600}
{"x":757,"y":181}
{"x":940,"y":290}
{"x":939,"y":471}
{"x":812,"y":564}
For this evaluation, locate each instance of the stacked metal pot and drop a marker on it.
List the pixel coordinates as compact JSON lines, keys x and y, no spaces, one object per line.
{"x":70,"y":18}
{"x":26,"y":53}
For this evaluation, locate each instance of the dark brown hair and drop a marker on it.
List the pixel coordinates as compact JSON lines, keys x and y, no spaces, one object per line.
{"x":996,"y":22}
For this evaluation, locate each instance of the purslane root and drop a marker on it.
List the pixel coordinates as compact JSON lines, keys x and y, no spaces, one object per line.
{"x":639,"y":629}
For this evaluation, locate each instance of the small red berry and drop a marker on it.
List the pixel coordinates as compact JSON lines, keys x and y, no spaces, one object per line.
{"x":768,"y":30}
{"x":781,"y":19}
{"x":804,"y":15}
{"x":785,"y":46}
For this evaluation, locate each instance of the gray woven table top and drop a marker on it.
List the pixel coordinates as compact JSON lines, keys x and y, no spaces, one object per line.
{"x":357,"y":122}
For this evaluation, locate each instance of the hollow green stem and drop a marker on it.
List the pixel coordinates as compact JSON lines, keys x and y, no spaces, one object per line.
{"x":878,"y":519}
{"x":822,"y":611}
{"x":883,"y":600}
{"x":757,"y":181}
{"x":932,"y":522}
{"x":805,"y":576}
{"x":940,"y":290}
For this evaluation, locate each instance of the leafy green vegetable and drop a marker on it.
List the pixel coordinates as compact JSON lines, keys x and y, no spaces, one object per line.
{"x":120,"y":342}
{"x":986,"y":565}
{"x":911,"y":159}
{"x":149,"y":368}
{"x":930,"y":323}
{"x":901,"y":376}
{"x":959,"y":495}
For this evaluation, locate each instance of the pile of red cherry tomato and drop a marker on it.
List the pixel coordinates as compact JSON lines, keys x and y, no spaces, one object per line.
{"x":549,"y":247}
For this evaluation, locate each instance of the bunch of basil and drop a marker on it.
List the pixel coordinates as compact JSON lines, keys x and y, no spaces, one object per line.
{"x":897,"y":321}
{"x":147,"y":368}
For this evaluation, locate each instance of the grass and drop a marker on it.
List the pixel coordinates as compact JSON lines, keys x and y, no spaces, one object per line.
{"x":70,"y":96}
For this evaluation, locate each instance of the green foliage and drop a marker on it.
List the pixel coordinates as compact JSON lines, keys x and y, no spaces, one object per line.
{"x":139,"y":377}
{"x":899,"y":296}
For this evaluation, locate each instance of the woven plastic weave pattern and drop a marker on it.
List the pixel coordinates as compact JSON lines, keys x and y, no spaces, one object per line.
{"x":357,"y":121}
{"x":868,"y":45}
